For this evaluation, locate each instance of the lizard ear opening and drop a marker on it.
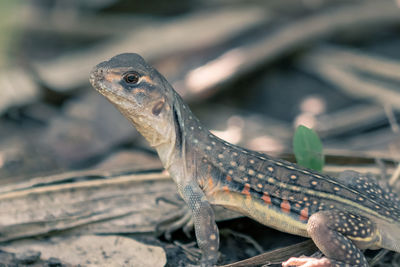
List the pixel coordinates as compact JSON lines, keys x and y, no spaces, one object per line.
{"x":158,"y":107}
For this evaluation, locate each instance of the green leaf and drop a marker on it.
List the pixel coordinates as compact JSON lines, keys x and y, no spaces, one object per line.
{"x":308,"y":148}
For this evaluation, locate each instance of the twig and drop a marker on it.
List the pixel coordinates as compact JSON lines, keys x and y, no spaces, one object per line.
{"x":92,"y":174}
{"x":396,"y":129}
{"x":349,"y":119}
{"x":358,"y":61}
{"x":136,"y":178}
{"x":241,"y":60}
{"x":395,"y":176}
{"x":392,"y":119}
{"x":153,"y":41}
{"x":378,"y":257}
{"x":277,"y":255}
{"x":352,"y":84}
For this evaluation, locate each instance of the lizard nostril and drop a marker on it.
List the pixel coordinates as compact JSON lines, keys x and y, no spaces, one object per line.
{"x":96,"y":74}
{"x":99,"y":72}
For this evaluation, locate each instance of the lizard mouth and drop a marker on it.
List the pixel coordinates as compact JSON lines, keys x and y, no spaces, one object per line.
{"x":99,"y":81}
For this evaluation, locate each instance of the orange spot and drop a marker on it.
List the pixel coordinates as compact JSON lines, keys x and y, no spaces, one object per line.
{"x":246,"y":189}
{"x":266,"y":198}
{"x":228,"y":178}
{"x":147,"y":79}
{"x":210,"y":183}
{"x":226,"y":189}
{"x":285,"y":206}
{"x":112,"y":76}
{"x":304,"y":214}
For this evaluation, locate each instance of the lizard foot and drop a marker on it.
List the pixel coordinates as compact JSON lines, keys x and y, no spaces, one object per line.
{"x":194,"y":254}
{"x":307,"y":262}
{"x":182,"y":218}
{"x":190,"y":250}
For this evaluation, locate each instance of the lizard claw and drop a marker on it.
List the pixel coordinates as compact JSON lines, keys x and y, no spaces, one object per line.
{"x":188,"y":227}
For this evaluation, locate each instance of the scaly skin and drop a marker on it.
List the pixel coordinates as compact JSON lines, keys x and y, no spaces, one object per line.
{"x":342,"y":215}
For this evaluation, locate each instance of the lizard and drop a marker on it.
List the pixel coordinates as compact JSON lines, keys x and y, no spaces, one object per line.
{"x":342,"y":215}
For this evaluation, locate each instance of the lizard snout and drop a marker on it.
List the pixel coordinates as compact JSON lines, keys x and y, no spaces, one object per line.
{"x":96,"y":75}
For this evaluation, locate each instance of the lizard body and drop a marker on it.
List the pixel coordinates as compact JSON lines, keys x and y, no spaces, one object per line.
{"x":342,"y":215}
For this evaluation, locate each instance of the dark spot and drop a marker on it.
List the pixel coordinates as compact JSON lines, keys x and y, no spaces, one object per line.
{"x":158,"y":107}
{"x":178,"y":131}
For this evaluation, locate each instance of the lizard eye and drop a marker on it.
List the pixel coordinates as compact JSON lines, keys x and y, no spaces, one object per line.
{"x":131,"y":78}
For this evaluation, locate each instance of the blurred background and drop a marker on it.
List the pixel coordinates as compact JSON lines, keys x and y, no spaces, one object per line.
{"x":251,"y":70}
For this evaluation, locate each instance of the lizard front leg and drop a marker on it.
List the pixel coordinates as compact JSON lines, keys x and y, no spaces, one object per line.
{"x":204,"y":223}
{"x":339,"y":235}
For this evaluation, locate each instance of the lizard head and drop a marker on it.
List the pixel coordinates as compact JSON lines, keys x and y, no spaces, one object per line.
{"x":140,"y":92}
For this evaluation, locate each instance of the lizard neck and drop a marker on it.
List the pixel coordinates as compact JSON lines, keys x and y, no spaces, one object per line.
{"x":202,"y":146}
{"x":181,"y":155}
{"x":173,"y":153}
{"x":195,"y":143}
